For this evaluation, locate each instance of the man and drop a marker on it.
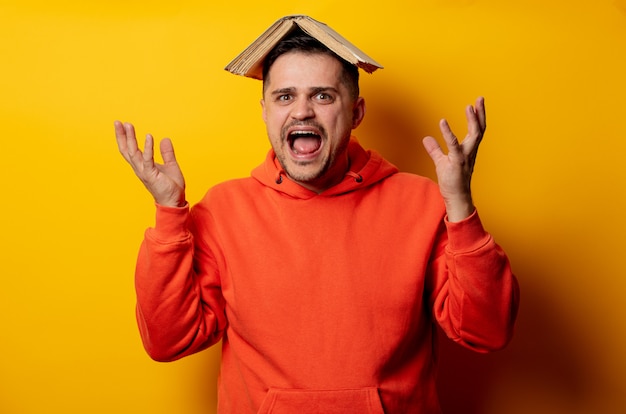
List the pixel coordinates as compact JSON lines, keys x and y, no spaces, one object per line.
{"x":324,"y":272}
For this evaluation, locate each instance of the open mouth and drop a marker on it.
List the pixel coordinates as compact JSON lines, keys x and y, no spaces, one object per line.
{"x":304,"y":142}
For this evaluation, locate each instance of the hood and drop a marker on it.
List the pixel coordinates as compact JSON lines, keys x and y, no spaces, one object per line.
{"x":366,"y":168}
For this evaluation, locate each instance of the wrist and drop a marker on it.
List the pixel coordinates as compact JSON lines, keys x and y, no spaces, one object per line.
{"x":174,"y":203}
{"x":459,"y":209}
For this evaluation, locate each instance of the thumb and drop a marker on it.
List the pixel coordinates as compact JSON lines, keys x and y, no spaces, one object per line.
{"x":433,"y":148}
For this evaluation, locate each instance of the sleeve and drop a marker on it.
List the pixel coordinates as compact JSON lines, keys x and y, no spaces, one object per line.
{"x":477,"y":295}
{"x":179,"y":311}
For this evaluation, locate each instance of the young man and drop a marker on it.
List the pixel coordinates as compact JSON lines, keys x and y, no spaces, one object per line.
{"x":324,"y":272}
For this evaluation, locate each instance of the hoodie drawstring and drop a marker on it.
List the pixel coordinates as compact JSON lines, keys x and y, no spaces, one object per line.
{"x":357,"y":177}
{"x":279,"y":177}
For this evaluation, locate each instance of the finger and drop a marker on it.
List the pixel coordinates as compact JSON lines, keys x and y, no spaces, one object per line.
{"x":131,"y":141}
{"x":481,"y":113}
{"x":148,"y":153}
{"x":135,"y":156}
{"x":473,"y":125}
{"x":167,"y":151}
{"x":451,"y":140}
{"x":120,"y":136}
{"x":476,"y":124}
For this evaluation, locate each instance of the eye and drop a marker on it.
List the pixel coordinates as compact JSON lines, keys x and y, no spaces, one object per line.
{"x":324,"y":97}
{"x":283,"y":98}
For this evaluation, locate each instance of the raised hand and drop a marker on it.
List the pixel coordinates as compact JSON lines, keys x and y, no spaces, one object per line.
{"x":164,"y":181}
{"x":454,"y":170}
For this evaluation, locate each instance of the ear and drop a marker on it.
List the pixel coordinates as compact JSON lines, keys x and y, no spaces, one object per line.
{"x":263,"y":112}
{"x":358,"y":112}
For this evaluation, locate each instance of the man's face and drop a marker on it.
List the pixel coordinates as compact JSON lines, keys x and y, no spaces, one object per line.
{"x":309,"y":114}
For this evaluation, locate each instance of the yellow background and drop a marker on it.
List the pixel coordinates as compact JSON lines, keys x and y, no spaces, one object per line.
{"x":549,"y":182}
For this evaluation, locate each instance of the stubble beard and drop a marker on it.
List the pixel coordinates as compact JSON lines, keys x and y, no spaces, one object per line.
{"x":294,"y":170}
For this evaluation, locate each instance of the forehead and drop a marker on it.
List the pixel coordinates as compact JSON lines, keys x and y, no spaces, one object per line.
{"x":304,"y":70}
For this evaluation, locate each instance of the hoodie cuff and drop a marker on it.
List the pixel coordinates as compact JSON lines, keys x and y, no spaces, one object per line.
{"x":171,"y":222}
{"x":466,"y":235}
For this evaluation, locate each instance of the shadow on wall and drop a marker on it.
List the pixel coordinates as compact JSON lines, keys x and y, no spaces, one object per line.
{"x":390,"y":132}
{"x":542,"y":368}
{"x":545,"y":365}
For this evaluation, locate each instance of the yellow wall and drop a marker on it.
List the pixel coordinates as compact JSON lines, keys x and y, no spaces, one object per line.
{"x":549,"y":181}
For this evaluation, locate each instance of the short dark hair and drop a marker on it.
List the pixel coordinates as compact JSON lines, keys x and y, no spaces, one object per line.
{"x":298,"y":41}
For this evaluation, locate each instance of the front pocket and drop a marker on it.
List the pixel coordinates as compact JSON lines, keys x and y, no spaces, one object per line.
{"x":358,"y":401}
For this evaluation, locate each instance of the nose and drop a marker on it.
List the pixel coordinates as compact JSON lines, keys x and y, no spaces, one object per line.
{"x":302,"y":109}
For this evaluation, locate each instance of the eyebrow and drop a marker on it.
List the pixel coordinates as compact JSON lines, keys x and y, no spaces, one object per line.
{"x":313,"y":90}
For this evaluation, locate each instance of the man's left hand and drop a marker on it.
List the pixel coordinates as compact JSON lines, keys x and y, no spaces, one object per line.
{"x":454,"y":170}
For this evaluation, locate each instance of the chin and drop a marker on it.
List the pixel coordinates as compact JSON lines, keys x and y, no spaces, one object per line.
{"x":309,"y":177}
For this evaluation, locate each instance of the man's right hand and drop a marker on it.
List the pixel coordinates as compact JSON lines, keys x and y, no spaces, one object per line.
{"x":164,"y":181}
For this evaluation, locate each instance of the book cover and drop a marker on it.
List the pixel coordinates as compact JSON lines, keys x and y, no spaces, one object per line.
{"x":250,"y":62}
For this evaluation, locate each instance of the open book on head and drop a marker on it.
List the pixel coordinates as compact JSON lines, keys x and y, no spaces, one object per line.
{"x":250,"y":62}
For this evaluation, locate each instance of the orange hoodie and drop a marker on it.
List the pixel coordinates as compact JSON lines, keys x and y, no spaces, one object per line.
{"x":325,"y":303}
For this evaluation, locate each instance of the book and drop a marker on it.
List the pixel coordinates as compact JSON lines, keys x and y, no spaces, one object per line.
{"x":250,"y":62}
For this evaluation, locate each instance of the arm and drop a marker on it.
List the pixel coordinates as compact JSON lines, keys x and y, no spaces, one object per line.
{"x":477,"y":295}
{"x":179,"y":308}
